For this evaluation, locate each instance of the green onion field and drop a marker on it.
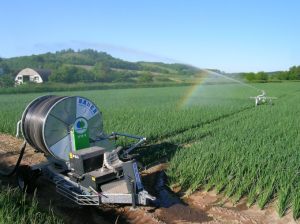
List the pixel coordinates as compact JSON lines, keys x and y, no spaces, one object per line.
{"x":213,"y":138}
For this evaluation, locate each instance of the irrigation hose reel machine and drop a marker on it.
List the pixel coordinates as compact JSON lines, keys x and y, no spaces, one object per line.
{"x":82,"y":161}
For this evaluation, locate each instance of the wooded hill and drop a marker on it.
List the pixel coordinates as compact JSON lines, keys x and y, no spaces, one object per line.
{"x":91,"y":66}
{"x":69,"y":66}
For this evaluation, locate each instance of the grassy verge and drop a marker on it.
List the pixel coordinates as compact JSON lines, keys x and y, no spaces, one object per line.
{"x":16,"y":208}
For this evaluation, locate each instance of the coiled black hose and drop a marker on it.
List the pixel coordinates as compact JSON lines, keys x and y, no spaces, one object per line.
{"x":33,"y":120}
{"x":32,"y":127}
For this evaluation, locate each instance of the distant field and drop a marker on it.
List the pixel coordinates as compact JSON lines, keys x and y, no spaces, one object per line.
{"x":63,"y":87}
{"x":213,"y":137}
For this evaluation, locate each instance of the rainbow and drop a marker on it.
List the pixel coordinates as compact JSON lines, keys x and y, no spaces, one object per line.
{"x":184,"y":100}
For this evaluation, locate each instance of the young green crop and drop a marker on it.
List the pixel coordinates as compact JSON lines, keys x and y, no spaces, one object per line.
{"x":253,"y":153}
{"x":217,"y":140}
{"x":16,"y":208}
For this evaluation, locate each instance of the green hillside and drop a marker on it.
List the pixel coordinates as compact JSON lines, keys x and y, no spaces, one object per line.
{"x":71,"y":66}
{"x":91,"y":66}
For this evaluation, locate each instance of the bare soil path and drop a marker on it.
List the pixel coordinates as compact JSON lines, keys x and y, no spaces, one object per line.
{"x":200,"y":207}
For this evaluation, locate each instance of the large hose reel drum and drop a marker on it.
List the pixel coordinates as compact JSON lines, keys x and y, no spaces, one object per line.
{"x":48,"y":121}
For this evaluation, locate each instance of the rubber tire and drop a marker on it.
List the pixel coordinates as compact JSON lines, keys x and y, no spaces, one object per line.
{"x":26,"y":178}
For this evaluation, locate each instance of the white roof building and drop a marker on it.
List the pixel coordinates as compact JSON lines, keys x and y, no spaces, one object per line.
{"x":32,"y":75}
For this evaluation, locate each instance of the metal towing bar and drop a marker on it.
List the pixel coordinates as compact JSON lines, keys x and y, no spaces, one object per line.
{"x":140,"y":139}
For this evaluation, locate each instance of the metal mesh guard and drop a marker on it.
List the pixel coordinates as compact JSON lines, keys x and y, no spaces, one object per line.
{"x":67,"y":190}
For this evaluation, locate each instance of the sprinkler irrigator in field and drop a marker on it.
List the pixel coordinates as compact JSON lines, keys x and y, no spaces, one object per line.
{"x":219,"y":139}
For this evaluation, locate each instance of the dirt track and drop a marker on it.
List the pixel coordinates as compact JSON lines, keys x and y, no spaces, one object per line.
{"x":200,"y":207}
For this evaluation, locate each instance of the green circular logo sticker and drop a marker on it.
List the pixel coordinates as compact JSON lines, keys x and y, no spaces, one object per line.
{"x":80,"y":126}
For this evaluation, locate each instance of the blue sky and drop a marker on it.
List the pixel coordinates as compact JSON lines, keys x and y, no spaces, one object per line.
{"x":230,"y":35}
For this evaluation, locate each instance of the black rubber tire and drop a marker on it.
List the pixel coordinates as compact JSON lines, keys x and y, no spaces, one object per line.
{"x":26,"y":178}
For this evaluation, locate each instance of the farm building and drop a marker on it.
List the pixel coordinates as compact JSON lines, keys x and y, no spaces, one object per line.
{"x":32,"y":75}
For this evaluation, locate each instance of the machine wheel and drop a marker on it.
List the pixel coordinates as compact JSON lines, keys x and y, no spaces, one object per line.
{"x":26,"y":178}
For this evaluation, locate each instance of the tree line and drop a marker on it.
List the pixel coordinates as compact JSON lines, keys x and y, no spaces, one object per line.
{"x":292,"y":74}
